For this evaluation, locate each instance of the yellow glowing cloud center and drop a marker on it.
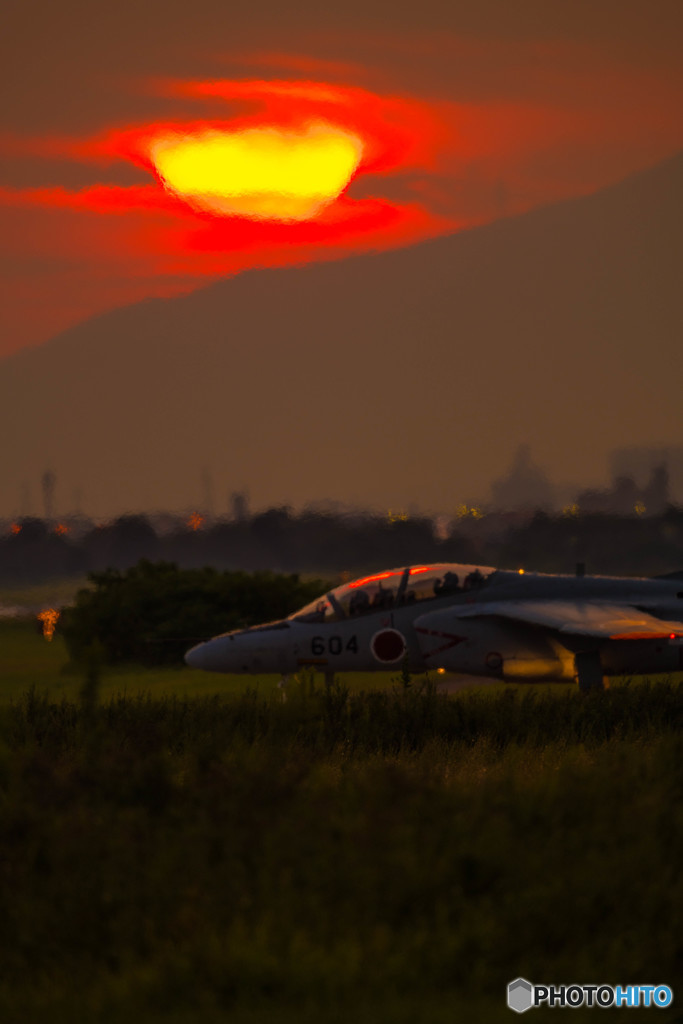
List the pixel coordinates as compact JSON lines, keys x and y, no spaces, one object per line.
{"x":270,"y":172}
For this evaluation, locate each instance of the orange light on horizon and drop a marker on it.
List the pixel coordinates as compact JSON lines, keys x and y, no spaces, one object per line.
{"x":49,"y":618}
{"x":15,"y":528}
{"x":195,"y":521}
{"x":61,"y":529}
{"x":260,"y":172}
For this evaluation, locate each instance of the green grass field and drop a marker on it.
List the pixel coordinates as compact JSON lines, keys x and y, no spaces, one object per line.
{"x":28,"y":660}
{"x":181,"y":847}
{"x":55,"y":593}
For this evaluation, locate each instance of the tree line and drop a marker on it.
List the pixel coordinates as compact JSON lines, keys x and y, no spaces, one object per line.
{"x":279,"y":540}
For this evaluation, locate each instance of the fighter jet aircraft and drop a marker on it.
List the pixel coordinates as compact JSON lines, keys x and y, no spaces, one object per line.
{"x":471,"y":619}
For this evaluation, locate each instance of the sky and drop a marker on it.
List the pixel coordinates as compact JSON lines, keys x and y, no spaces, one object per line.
{"x":150,"y":150}
{"x":463,"y":113}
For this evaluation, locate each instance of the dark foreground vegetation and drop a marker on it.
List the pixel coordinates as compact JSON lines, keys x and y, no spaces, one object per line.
{"x":151,"y":613}
{"x":390,"y":856}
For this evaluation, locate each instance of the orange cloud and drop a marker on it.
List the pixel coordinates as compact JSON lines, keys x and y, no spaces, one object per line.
{"x":265,"y":181}
{"x":394,"y":134}
{"x":282,"y":171}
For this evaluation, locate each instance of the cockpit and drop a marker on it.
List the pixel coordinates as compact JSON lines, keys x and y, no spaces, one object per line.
{"x":394,"y":589}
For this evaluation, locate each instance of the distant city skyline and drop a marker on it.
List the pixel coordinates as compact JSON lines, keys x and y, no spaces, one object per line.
{"x":526,"y":486}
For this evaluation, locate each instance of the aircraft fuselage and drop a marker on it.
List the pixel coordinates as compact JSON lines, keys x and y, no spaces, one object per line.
{"x":467,"y":619}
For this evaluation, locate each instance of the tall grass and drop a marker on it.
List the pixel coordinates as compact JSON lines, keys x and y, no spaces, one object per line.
{"x":387,"y":856}
{"x":333,"y":719}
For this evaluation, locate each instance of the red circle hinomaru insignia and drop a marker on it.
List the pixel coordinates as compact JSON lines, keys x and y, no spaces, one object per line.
{"x":494,"y":660}
{"x":388,"y":645}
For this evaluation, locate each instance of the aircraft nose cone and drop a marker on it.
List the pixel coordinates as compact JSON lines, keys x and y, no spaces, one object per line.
{"x":216,"y":655}
{"x":196,"y":657}
{"x":240,"y":651}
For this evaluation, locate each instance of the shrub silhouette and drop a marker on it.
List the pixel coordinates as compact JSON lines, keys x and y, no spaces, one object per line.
{"x":151,"y":613}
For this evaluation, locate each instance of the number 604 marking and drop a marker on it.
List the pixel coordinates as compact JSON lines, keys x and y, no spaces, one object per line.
{"x":333,"y":645}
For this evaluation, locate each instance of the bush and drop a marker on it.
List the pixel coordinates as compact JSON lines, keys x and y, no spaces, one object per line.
{"x":152,"y":613}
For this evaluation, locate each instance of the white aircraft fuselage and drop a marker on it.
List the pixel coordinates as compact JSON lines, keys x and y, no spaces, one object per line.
{"x":473,"y":620}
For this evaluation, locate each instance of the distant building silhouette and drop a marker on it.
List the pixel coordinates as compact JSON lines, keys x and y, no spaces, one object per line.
{"x":77,"y":500}
{"x":642,"y":461}
{"x":625,"y":497}
{"x":208,"y":492}
{"x":26,"y":500}
{"x":239,"y":502}
{"x":525,"y":487}
{"x":48,"y":483}
{"x":656,"y":494}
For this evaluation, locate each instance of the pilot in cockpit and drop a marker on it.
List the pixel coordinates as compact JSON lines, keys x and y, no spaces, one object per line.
{"x":447,"y":585}
{"x":359,"y":603}
{"x":384,"y":598}
{"x":474,"y":580}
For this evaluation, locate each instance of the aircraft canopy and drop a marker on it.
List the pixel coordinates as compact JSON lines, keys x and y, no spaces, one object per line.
{"x":394,"y":588}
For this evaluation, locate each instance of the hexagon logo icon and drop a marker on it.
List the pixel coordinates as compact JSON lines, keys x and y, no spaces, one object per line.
{"x":520,"y":995}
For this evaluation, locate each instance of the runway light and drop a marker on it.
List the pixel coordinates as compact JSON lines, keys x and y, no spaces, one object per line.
{"x":521,"y":572}
{"x":467,"y":511}
{"x":397,"y":517}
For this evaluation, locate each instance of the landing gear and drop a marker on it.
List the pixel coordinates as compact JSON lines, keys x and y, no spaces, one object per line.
{"x":588,"y":671}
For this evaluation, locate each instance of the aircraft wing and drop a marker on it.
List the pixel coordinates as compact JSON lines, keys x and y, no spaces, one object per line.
{"x":582,"y":618}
